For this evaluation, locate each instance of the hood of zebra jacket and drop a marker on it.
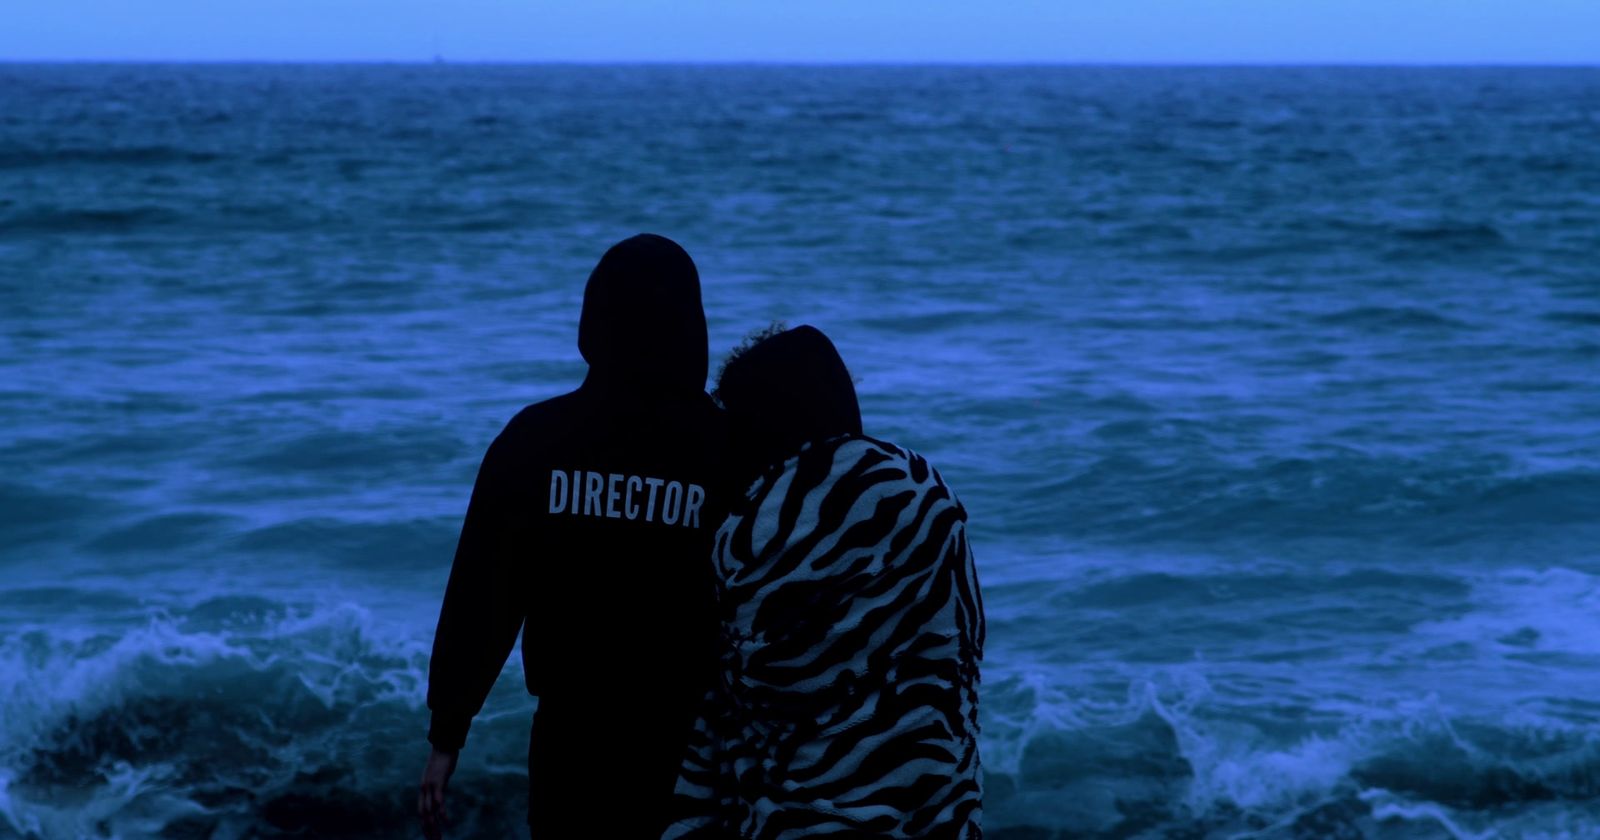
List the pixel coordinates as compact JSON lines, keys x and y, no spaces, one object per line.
{"x":643,"y":326}
{"x":784,"y":392}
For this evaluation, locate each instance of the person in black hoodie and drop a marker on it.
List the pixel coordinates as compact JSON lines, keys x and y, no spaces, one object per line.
{"x":588,"y":530}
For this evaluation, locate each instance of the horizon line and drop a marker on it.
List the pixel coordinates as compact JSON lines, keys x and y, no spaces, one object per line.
{"x":744,"y":62}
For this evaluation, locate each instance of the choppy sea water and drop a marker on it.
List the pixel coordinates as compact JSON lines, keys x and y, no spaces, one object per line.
{"x":1272,"y":394}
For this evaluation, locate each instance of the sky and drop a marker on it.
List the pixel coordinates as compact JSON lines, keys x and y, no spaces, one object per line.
{"x":1047,"y":31}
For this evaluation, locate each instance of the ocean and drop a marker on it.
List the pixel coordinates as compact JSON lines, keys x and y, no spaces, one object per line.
{"x":1272,"y":394}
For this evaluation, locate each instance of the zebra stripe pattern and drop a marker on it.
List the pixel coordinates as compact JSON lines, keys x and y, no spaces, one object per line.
{"x":852,"y":629}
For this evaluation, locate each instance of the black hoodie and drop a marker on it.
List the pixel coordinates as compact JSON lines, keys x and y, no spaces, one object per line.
{"x":589,"y":530}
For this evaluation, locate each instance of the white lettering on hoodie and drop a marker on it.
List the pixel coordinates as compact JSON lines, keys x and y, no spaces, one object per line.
{"x":579,"y":493}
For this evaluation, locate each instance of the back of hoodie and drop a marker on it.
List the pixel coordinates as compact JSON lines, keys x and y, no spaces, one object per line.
{"x":589,"y":530}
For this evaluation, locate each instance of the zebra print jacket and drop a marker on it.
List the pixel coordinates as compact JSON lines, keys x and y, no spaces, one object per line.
{"x":852,"y":629}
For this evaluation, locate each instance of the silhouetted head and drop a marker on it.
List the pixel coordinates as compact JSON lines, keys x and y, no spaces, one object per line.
{"x":642,"y":323}
{"x":782,"y":391}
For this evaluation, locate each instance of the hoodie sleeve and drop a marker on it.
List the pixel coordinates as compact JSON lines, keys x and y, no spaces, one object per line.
{"x":483,"y":610}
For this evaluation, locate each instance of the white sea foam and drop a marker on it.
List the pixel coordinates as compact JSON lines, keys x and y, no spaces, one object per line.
{"x":143,"y":721}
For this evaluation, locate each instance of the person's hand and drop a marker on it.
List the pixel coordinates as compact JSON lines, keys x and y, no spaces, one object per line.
{"x":430,"y":796}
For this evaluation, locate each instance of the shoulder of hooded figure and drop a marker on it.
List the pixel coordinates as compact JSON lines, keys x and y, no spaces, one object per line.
{"x":544,"y":409}
{"x":533,"y":429}
{"x":918,"y":471}
{"x":843,"y":454}
{"x":536,"y":417}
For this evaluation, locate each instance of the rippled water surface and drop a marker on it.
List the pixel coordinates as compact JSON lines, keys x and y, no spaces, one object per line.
{"x":1272,"y":393}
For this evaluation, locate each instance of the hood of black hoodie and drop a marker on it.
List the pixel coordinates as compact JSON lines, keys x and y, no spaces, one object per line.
{"x":643,"y":325}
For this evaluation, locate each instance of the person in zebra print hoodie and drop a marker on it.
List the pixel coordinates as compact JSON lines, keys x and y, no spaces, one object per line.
{"x":852,"y":624}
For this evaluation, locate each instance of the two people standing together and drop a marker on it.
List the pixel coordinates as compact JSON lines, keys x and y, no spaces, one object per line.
{"x":742,"y":616}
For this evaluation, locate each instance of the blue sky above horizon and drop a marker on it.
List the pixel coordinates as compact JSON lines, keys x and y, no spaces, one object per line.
{"x":1072,"y":31}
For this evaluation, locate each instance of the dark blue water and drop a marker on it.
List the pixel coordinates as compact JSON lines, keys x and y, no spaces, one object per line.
{"x":1272,"y":393}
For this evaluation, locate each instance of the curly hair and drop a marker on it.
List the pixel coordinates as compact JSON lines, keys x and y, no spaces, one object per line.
{"x":748,"y":343}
